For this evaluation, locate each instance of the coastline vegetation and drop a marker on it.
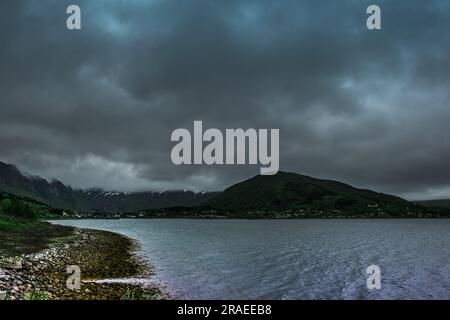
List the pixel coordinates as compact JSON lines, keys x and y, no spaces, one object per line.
{"x":21,"y":228}
{"x":39,"y":253}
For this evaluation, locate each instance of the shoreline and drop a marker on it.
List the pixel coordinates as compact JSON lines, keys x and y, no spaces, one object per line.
{"x":100,"y":255}
{"x":252,"y":219}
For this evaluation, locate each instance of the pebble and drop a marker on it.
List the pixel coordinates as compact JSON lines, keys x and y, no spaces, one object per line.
{"x":15,"y":266}
{"x":45,"y":271}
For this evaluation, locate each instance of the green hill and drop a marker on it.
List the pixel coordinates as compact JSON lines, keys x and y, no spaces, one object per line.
{"x":306,"y":196}
{"x":26,"y":208}
{"x":21,"y":230}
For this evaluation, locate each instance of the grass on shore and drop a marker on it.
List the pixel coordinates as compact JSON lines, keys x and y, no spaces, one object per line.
{"x":21,"y":236}
{"x":21,"y":231}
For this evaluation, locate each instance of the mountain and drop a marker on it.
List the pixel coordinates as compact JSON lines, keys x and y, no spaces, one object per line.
{"x":281,"y":195}
{"x":306,"y":196}
{"x":54,"y":192}
{"x":126,"y":202}
{"x":57,"y":194}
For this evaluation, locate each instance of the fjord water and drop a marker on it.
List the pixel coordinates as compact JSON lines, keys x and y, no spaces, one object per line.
{"x":292,"y":259}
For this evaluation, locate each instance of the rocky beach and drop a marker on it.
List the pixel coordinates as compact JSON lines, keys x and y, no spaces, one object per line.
{"x":100,"y":255}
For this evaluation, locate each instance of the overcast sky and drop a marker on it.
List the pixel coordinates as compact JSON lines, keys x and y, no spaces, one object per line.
{"x":96,"y":107}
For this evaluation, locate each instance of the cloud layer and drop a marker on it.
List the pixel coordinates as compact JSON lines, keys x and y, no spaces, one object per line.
{"x":96,"y":107}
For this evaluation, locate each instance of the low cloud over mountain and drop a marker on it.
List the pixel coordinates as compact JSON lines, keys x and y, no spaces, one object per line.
{"x":96,"y":107}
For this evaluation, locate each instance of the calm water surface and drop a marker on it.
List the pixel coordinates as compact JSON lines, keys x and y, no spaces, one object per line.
{"x":292,"y":259}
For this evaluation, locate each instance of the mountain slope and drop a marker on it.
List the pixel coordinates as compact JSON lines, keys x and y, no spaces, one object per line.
{"x":56,"y":194}
{"x":294,"y":191}
{"x":280,"y":195}
{"x":125,"y":202}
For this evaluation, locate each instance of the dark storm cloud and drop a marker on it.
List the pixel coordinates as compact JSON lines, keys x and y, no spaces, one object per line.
{"x":97,"y":107}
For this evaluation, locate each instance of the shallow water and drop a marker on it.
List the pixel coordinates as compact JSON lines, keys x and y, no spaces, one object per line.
{"x":292,"y":259}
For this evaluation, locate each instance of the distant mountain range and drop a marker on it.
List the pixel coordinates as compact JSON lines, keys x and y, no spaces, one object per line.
{"x":283,"y":194}
{"x":58,"y":195}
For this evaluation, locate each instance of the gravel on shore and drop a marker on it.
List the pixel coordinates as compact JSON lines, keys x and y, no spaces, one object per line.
{"x":98,"y":254}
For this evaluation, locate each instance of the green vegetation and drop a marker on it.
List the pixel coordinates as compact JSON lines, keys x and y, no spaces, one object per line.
{"x":21,"y":231}
{"x":137,"y":293}
{"x":294,"y":191}
{"x":26,"y":208}
{"x":38,"y":295}
{"x":17,"y":208}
